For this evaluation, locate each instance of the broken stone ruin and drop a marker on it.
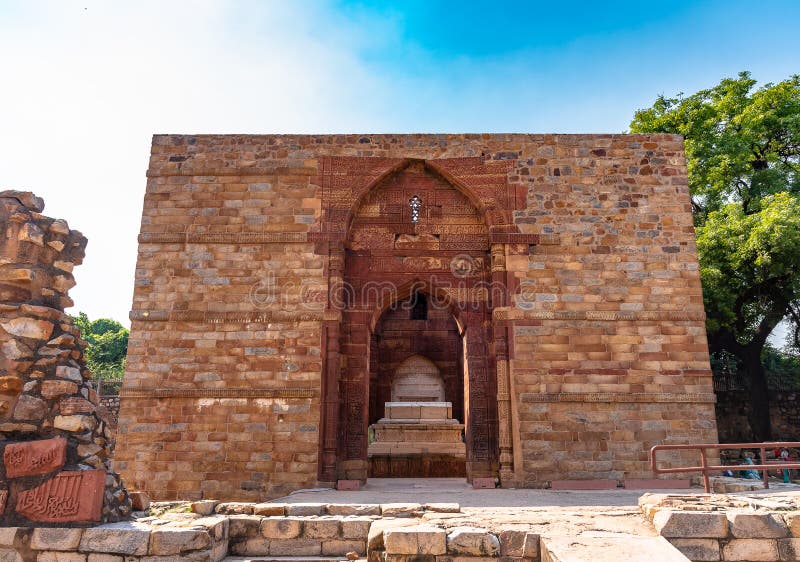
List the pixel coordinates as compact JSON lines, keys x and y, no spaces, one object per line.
{"x":55,"y":464}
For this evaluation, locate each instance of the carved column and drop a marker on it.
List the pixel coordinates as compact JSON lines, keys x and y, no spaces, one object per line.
{"x":503,"y":382}
{"x":330,"y":371}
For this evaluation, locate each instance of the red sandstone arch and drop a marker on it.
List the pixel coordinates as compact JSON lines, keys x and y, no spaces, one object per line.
{"x":380,"y":246}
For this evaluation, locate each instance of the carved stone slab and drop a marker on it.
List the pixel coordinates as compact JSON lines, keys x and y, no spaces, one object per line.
{"x":67,"y":497}
{"x":34,"y":457}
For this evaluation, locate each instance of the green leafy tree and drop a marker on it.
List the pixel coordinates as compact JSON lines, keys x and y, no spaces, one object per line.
{"x":107,"y":345}
{"x":743,"y":158}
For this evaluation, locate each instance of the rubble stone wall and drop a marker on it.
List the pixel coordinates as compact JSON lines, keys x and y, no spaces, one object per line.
{"x":595,"y":342}
{"x":55,"y":465}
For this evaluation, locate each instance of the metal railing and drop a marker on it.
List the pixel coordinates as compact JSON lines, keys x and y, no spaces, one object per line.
{"x":705,"y":468}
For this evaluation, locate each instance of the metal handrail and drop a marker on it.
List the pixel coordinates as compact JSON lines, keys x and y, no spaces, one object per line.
{"x":705,"y":468}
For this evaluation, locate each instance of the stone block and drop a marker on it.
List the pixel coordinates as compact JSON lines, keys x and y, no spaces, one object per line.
{"x":34,"y":457}
{"x":269,"y":509}
{"x":401,"y":509}
{"x":251,"y":547}
{"x":354,"y":509}
{"x":206,"y":507}
{"x":305,"y":509}
{"x":442,"y":507}
{"x":472,"y":541}
{"x":53,"y":388}
{"x":169,"y":541}
{"x":244,"y":526}
{"x":789,"y":549}
{"x":75,"y":423}
{"x":28,"y":328}
{"x":519,"y":544}
{"x":348,"y":485}
{"x":295,"y":547}
{"x":281,"y":527}
{"x":792,"y":519}
{"x":342,"y":547}
{"x":53,"y":556}
{"x":691,"y":524}
{"x":231,"y":508}
{"x":418,"y":539}
{"x":757,"y":526}
{"x":140,"y":501}
{"x":67,"y":497}
{"x":55,"y":538}
{"x":375,"y":535}
{"x":751,"y":550}
{"x":217,"y":526}
{"x":129,"y":538}
{"x":698,"y":550}
{"x":356,"y":528}
{"x":321,"y":528}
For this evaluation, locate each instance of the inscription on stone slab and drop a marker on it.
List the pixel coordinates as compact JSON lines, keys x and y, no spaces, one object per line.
{"x":34,"y":457}
{"x":70,"y":496}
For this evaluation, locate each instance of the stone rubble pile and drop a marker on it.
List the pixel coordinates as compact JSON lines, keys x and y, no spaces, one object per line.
{"x":55,"y":464}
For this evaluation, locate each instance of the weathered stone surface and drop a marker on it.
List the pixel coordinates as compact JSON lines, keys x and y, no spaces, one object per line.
{"x":168,"y":541}
{"x":691,"y":524}
{"x":251,"y":547}
{"x":231,"y":508}
{"x":418,"y":539}
{"x":10,"y":385}
{"x":792,"y":519}
{"x":611,"y":548}
{"x":321,"y":528}
{"x":55,"y":388}
{"x":140,"y":501}
{"x":354,"y":527}
{"x":375,"y":535}
{"x":24,"y":327}
{"x":55,"y":538}
{"x":76,"y":423}
{"x":244,"y":526}
{"x":698,"y":550}
{"x":34,"y":457}
{"x":751,"y":550}
{"x":519,"y":544}
{"x":757,"y":526}
{"x":472,"y":541}
{"x":9,"y":555}
{"x":269,"y":509}
{"x":67,"y":497}
{"x":342,"y":547}
{"x":25,"y":198}
{"x":401,"y":509}
{"x":281,"y":527}
{"x":295,"y":547}
{"x":70,"y":373}
{"x":442,"y":507}
{"x":354,"y":509}
{"x":206,"y":507}
{"x":117,"y":538}
{"x":305,"y":509}
{"x":3,"y":499}
{"x":30,"y":408}
{"x":789,"y":549}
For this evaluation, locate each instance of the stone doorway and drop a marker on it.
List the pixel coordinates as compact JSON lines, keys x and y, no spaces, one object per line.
{"x":412,"y":235}
{"x":416,"y":392}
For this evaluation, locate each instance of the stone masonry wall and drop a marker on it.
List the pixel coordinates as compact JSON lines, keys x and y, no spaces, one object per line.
{"x":599,"y":346}
{"x":55,"y":445}
{"x":733,"y":408}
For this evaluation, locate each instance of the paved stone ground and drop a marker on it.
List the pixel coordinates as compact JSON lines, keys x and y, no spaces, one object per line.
{"x":595,"y":526}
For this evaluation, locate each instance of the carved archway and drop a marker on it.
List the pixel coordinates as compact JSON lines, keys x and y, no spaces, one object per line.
{"x":377,"y":252}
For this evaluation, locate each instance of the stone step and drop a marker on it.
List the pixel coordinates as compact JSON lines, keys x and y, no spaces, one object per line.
{"x":288,"y":559}
{"x":599,"y":546}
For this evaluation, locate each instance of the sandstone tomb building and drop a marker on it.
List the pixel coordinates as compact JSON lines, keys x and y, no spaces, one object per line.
{"x":312,"y":309}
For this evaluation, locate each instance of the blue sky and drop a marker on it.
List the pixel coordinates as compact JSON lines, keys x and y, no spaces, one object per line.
{"x":84,"y":84}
